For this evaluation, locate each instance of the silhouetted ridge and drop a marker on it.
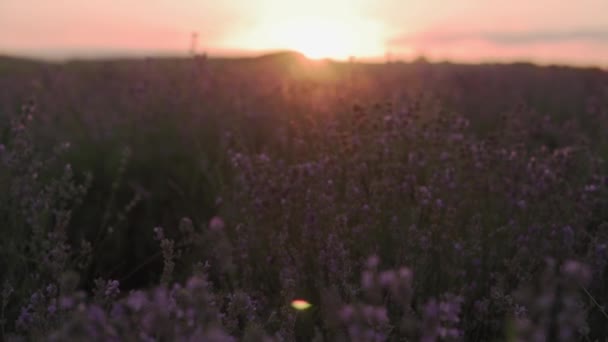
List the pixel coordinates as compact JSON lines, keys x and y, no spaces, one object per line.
{"x":282,"y":57}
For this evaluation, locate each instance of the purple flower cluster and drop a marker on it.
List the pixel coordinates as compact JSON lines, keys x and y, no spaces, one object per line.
{"x":180,"y":313}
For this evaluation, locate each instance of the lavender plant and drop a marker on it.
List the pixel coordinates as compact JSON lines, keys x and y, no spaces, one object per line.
{"x":400,"y":202}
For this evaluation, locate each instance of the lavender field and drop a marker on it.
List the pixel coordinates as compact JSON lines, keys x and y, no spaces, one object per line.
{"x":196,"y":199}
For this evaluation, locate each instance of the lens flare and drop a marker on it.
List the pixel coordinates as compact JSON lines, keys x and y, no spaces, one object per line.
{"x":300,"y":304}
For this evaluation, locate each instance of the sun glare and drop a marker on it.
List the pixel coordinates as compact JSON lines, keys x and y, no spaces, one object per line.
{"x":318,"y":38}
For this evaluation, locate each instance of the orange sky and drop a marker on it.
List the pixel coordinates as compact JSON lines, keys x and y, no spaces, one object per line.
{"x":460,"y":30}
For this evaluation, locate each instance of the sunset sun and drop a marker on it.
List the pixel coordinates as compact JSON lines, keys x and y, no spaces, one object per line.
{"x":317,"y":38}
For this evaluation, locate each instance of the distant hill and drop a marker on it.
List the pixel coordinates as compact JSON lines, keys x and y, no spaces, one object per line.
{"x":21,"y":60}
{"x":281,"y":57}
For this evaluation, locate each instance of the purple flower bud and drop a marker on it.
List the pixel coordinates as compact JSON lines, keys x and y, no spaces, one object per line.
{"x":373,"y":261}
{"x":35,"y":298}
{"x":346,"y":313}
{"x":387,"y":278}
{"x":112,"y":289}
{"x":51,"y":290}
{"x":381,"y":315}
{"x":216,"y":224}
{"x":601,"y":250}
{"x":159,"y":233}
{"x":24,"y":320}
{"x":66,"y":303}
{"x":406,"y":274}
{"x":577,"y":271}
{"x":117,"y":312}
{"x":96,"y":314}
{"x":195,"y":283}
{"x":591,"y":188}
{"x":568,"y":234}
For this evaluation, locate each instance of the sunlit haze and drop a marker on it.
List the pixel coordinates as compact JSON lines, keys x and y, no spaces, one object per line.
{"x":547,"y":31}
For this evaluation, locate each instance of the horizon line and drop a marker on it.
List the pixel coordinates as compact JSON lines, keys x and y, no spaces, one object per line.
{"x":66,"y":56}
